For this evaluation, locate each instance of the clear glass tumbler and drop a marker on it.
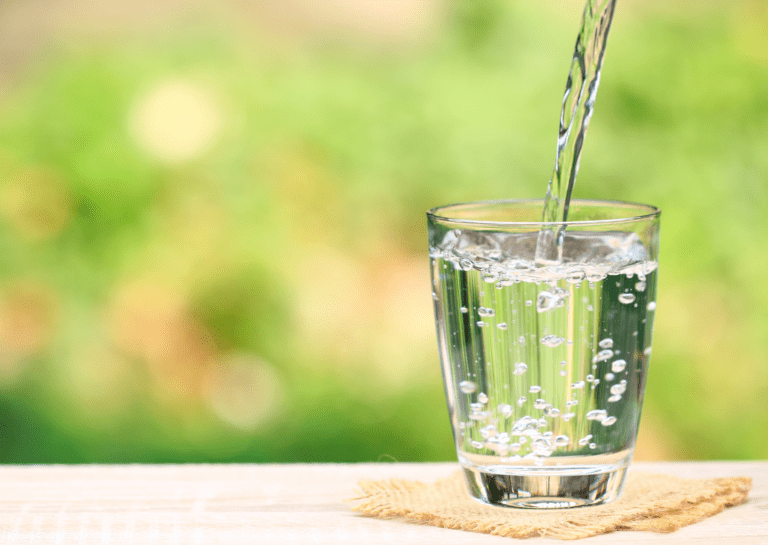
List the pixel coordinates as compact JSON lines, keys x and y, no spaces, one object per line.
{"x":544,"y":364}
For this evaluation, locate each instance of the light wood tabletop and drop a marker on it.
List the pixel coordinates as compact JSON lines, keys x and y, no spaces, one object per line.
{"x":285,"y":504}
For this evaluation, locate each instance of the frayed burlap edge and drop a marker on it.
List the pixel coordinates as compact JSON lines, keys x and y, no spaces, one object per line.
{"x":650,"y":502}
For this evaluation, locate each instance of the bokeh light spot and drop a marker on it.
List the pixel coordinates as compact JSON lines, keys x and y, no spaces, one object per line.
{"x":244,"y":391}
{"x":175,"y":121}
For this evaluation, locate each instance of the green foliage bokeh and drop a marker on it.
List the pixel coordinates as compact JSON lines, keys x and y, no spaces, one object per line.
{"x":247,"y":303}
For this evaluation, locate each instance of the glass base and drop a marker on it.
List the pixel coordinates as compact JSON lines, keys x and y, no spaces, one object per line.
{"x":545,"y":488}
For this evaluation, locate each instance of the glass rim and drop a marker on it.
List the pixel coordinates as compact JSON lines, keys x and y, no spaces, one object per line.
{"x":435,"y":214}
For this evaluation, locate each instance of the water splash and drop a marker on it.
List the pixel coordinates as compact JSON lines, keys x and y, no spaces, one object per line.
{"x":578,"y":105}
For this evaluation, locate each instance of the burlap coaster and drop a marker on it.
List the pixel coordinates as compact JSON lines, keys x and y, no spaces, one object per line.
{"x":650,"y":502}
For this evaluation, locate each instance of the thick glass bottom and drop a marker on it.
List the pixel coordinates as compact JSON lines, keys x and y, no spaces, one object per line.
{"x":556,"y":487}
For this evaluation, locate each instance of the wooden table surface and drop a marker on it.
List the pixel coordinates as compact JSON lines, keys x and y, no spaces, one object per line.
{"x":285,"y":504}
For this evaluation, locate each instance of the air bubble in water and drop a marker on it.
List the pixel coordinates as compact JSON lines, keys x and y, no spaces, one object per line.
{"x":521,"y":339}
{"x":505,"y":410}
{"x":610,"y":376}
{"x":482,"y":398}
{"x":476,"y":406}
{"x":545,"y":301}
{"x":606,"y":343}
{"x":590,"y":378}
{"x":618,"y":366}
{"x":554,"y":412}
{"x":466,"y":264}
{"x":534,"y":389}
{"x":562,"y":440}
{"x":608,"y":421}
{"x":592,"y":446}
{"x":627,"y":298}
{"x":640,"y":286}
{"x":552,"y":341}
{"x":525,"y":426}
{"x":578,"y":385}
{"x":477,"y":444}
{"x":614,"y":398}
{"x":567,"y":416}
{"x":590,"y":308}
{"x":563,"y":372}
{"x":575,"y":277}
{"x":521,"y":400}
{"x":647,"y":351}
{"x":619,"y":388}
{"x":528,"y":303}
{"x":597,"y":414}
{"x":603,"y":355}
{"x":539,"y":404}
{"x":464,"y":310}
{"x":502,"y":325}
{"x":584,"y":440}
{"x":488,"y":431}
{"x":651,"y":305}
{"x":481,"y":323}
{"x":541,"y":447}
{"x":482,"y":311}
{"x":467,"y":386}
{"x":520,"y":368}
{"x":481,"y":415}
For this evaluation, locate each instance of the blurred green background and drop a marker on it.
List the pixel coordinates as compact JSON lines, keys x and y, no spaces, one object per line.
{"x":212,"y":229}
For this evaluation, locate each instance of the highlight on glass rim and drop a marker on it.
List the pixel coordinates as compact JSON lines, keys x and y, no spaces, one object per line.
{"x":213,"y":246}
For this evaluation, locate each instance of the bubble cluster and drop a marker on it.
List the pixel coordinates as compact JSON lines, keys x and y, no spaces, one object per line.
{"x":578,"y":313}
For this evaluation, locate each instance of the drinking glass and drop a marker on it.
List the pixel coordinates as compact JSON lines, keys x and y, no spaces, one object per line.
{"x":544,"y":363}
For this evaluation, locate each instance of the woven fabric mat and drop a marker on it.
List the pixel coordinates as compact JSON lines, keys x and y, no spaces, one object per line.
{"x":650,"y":502}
